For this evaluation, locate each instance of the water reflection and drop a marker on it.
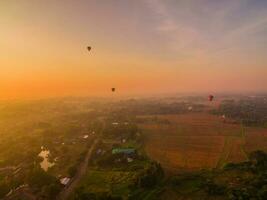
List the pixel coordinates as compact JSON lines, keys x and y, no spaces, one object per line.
{"x":45,"y":164}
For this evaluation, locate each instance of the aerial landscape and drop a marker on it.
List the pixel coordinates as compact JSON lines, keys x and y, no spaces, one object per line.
{"x":133,"y":100}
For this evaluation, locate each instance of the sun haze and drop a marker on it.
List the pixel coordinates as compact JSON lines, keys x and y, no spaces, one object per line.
{"x":140,"y":47}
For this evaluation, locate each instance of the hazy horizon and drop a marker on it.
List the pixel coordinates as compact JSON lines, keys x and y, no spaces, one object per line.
{"x":140,"y":47}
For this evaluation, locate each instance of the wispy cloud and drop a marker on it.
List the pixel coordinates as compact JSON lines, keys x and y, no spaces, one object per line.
{"x":215,"y":31}
{"x":180,"y":35}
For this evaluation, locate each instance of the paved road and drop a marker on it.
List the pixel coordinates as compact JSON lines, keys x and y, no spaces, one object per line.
{"x":65,"y":193}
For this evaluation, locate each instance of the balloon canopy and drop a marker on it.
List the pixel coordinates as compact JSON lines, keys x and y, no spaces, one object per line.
{"x":211,"y":97}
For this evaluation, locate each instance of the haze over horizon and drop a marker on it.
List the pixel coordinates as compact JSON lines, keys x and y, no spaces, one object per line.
{"x":139,"y":47}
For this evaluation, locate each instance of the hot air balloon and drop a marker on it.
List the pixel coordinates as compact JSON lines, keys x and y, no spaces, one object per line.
{"x":89,"y":48}
{"x":113,"y":89}
{"x":211,"y":97}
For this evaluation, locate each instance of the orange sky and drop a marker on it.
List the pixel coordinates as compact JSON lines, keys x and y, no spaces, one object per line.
{"x":139,"y":47}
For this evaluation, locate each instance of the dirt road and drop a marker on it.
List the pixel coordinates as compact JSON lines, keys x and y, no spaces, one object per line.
{"x":65,"y":193}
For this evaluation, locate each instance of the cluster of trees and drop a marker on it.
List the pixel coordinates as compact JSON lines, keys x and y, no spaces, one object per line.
{"x":108,"y":160}
{"x":243,"y":187}
{"x":44,"y":184}
{"x":249,"y":111}
{"x":72,"y":170}
{"x":6,"y":185}
{"x":26,"y":126}
{"x":121,"y":131}
{"x":82,"y":194}
{"x":4,"y":189}
{"x":153,"y":119}
{"x":146,"y":179}
{"x":150,"y":176}
{"x":147,"y":107}
{"x":255,"y":188}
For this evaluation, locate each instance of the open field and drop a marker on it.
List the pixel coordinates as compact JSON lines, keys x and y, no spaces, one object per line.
{"x":198,"y":140}
{"x":256,"y":138}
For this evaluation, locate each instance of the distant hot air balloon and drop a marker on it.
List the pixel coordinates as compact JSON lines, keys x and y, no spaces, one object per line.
{"x":89,"y":48}
{"x":113,"y":89}
{"x":211,"y":97}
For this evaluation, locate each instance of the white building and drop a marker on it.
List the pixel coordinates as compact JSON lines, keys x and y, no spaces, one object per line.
{"x":65,"y":181}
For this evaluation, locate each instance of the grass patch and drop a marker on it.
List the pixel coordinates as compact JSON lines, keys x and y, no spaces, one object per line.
{"x":118,"y":182}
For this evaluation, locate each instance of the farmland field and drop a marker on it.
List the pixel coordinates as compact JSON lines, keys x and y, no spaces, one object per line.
{"x":256,"y":138}
{"x":198,"y":140}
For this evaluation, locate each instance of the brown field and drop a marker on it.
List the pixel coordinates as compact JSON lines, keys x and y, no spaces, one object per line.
{"x":198,"y":140}
{"x":256,"y":139}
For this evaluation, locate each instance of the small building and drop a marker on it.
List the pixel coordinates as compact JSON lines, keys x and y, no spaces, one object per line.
{"x":127,"y":151}
{"x":85,"y":136}
{"x":65,"y":181}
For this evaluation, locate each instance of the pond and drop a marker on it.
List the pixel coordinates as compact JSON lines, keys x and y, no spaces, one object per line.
{"x":45,"y":164}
